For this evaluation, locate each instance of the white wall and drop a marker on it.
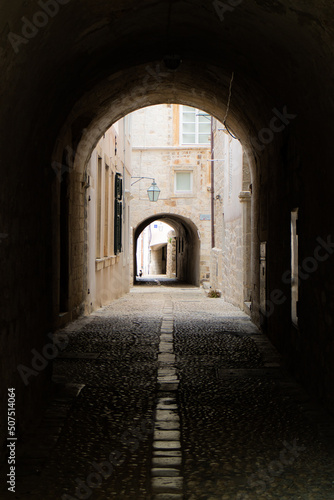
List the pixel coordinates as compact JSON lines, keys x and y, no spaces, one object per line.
{"x":108,"y":274}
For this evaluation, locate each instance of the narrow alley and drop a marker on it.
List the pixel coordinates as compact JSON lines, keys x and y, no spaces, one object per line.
{"x":168,"y":394}
{"x":192,"y":140}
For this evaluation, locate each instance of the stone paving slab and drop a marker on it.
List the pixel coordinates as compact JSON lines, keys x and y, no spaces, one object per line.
{"x":166,"y":347}
{"x":167,"y":378}
{"x":166,"y":461}
{"x":166,"y":358}
{"x":167,"y":453}
{"x":168,"y":472}
{"x":164,"y":439}
{"x":167,"y":370}
{"x":167,"y":435}
{"x":167,"y":425}
{"x":167,"y":484}
{"x":166,"y":445}
{"x":167,"y":405}
{"x":166,"y":337}
{"x":169,"y":386}
{"x":166,"y":415}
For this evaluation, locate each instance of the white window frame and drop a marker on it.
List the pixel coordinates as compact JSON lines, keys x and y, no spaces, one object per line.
{"x":191,"y":181}
{"x":196,"y":143}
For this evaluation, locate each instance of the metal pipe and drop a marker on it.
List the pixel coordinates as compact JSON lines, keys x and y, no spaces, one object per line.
{"x":123,"y":184}
{"x":212,"y":187}
{"x":140,"y":178}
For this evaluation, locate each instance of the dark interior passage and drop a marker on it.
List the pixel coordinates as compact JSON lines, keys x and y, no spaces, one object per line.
{"x":264,"y":68}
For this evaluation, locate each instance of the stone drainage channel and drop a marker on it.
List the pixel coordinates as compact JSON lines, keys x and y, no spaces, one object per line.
{"x":167,"y":480}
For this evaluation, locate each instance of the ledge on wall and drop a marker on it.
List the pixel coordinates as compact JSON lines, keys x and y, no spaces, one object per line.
{"x":247,"y":307}
{"x":106,"y":262}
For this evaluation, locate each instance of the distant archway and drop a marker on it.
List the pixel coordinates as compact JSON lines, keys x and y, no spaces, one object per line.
{"x":156,"y":251}
{"x":187,"y":246}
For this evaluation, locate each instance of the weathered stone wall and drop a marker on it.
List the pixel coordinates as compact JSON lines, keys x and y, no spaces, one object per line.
{"x":108,"y":273}
{"x":157,"y":265}
{"x":171,"y":255}
{"x":233,"y":262}
{"x":153,"y":127}
{"x":230,"y":258}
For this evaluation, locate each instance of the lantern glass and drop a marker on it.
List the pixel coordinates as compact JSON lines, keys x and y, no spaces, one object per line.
{"x":153,"y":192}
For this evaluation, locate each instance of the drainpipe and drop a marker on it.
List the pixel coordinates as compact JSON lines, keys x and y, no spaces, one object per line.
{"x":123,"y":184}
{"x":212,"y":188}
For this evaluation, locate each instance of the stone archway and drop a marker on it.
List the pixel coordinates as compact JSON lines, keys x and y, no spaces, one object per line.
{"x":187,"y":246}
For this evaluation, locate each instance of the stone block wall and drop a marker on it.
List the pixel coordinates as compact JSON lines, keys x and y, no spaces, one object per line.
{"x":232,"y":266}
{"x":230,"y":258}
{"x":108,"y":273}
{"x":156,"y":265}
{"x":171,"y":255}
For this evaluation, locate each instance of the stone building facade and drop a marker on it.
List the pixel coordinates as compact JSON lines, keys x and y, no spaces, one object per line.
{"x":231,"y":254}
{"x":108,"y":216}
{"x":171,"y":143}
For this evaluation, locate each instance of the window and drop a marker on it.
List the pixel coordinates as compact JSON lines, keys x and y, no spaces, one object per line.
{"x":195,"y":126}
{"x":183,"y":182}
{"x":99,"y":208}
{"x":106,"y":213}
{"x":111,"y":213}
{"x":118,"y":215}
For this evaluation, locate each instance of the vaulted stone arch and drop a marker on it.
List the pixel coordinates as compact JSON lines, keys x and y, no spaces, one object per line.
{"x":87,"y":66}
{"x":188,"y":239}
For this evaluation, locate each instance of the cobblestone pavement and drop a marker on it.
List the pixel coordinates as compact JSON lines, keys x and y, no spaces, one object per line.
{"x":169,"y":394}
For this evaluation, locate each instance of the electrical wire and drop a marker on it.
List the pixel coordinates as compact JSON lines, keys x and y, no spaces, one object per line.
{"x":229,"y":97}
{"x":228,"y":107}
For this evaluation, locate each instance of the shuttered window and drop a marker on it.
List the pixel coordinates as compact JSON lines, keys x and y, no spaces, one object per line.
{"x":118,"y":215}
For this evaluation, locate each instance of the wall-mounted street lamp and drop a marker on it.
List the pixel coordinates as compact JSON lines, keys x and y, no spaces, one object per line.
{"x":153,"y":191}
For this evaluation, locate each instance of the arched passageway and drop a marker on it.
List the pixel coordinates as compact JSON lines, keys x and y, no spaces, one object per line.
{"x":187,"y":245}
{"x":156,"y":251}
{"x":60,"y":93}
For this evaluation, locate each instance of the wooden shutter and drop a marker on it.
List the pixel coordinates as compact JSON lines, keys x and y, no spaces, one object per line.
{"x":118,"y":215}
